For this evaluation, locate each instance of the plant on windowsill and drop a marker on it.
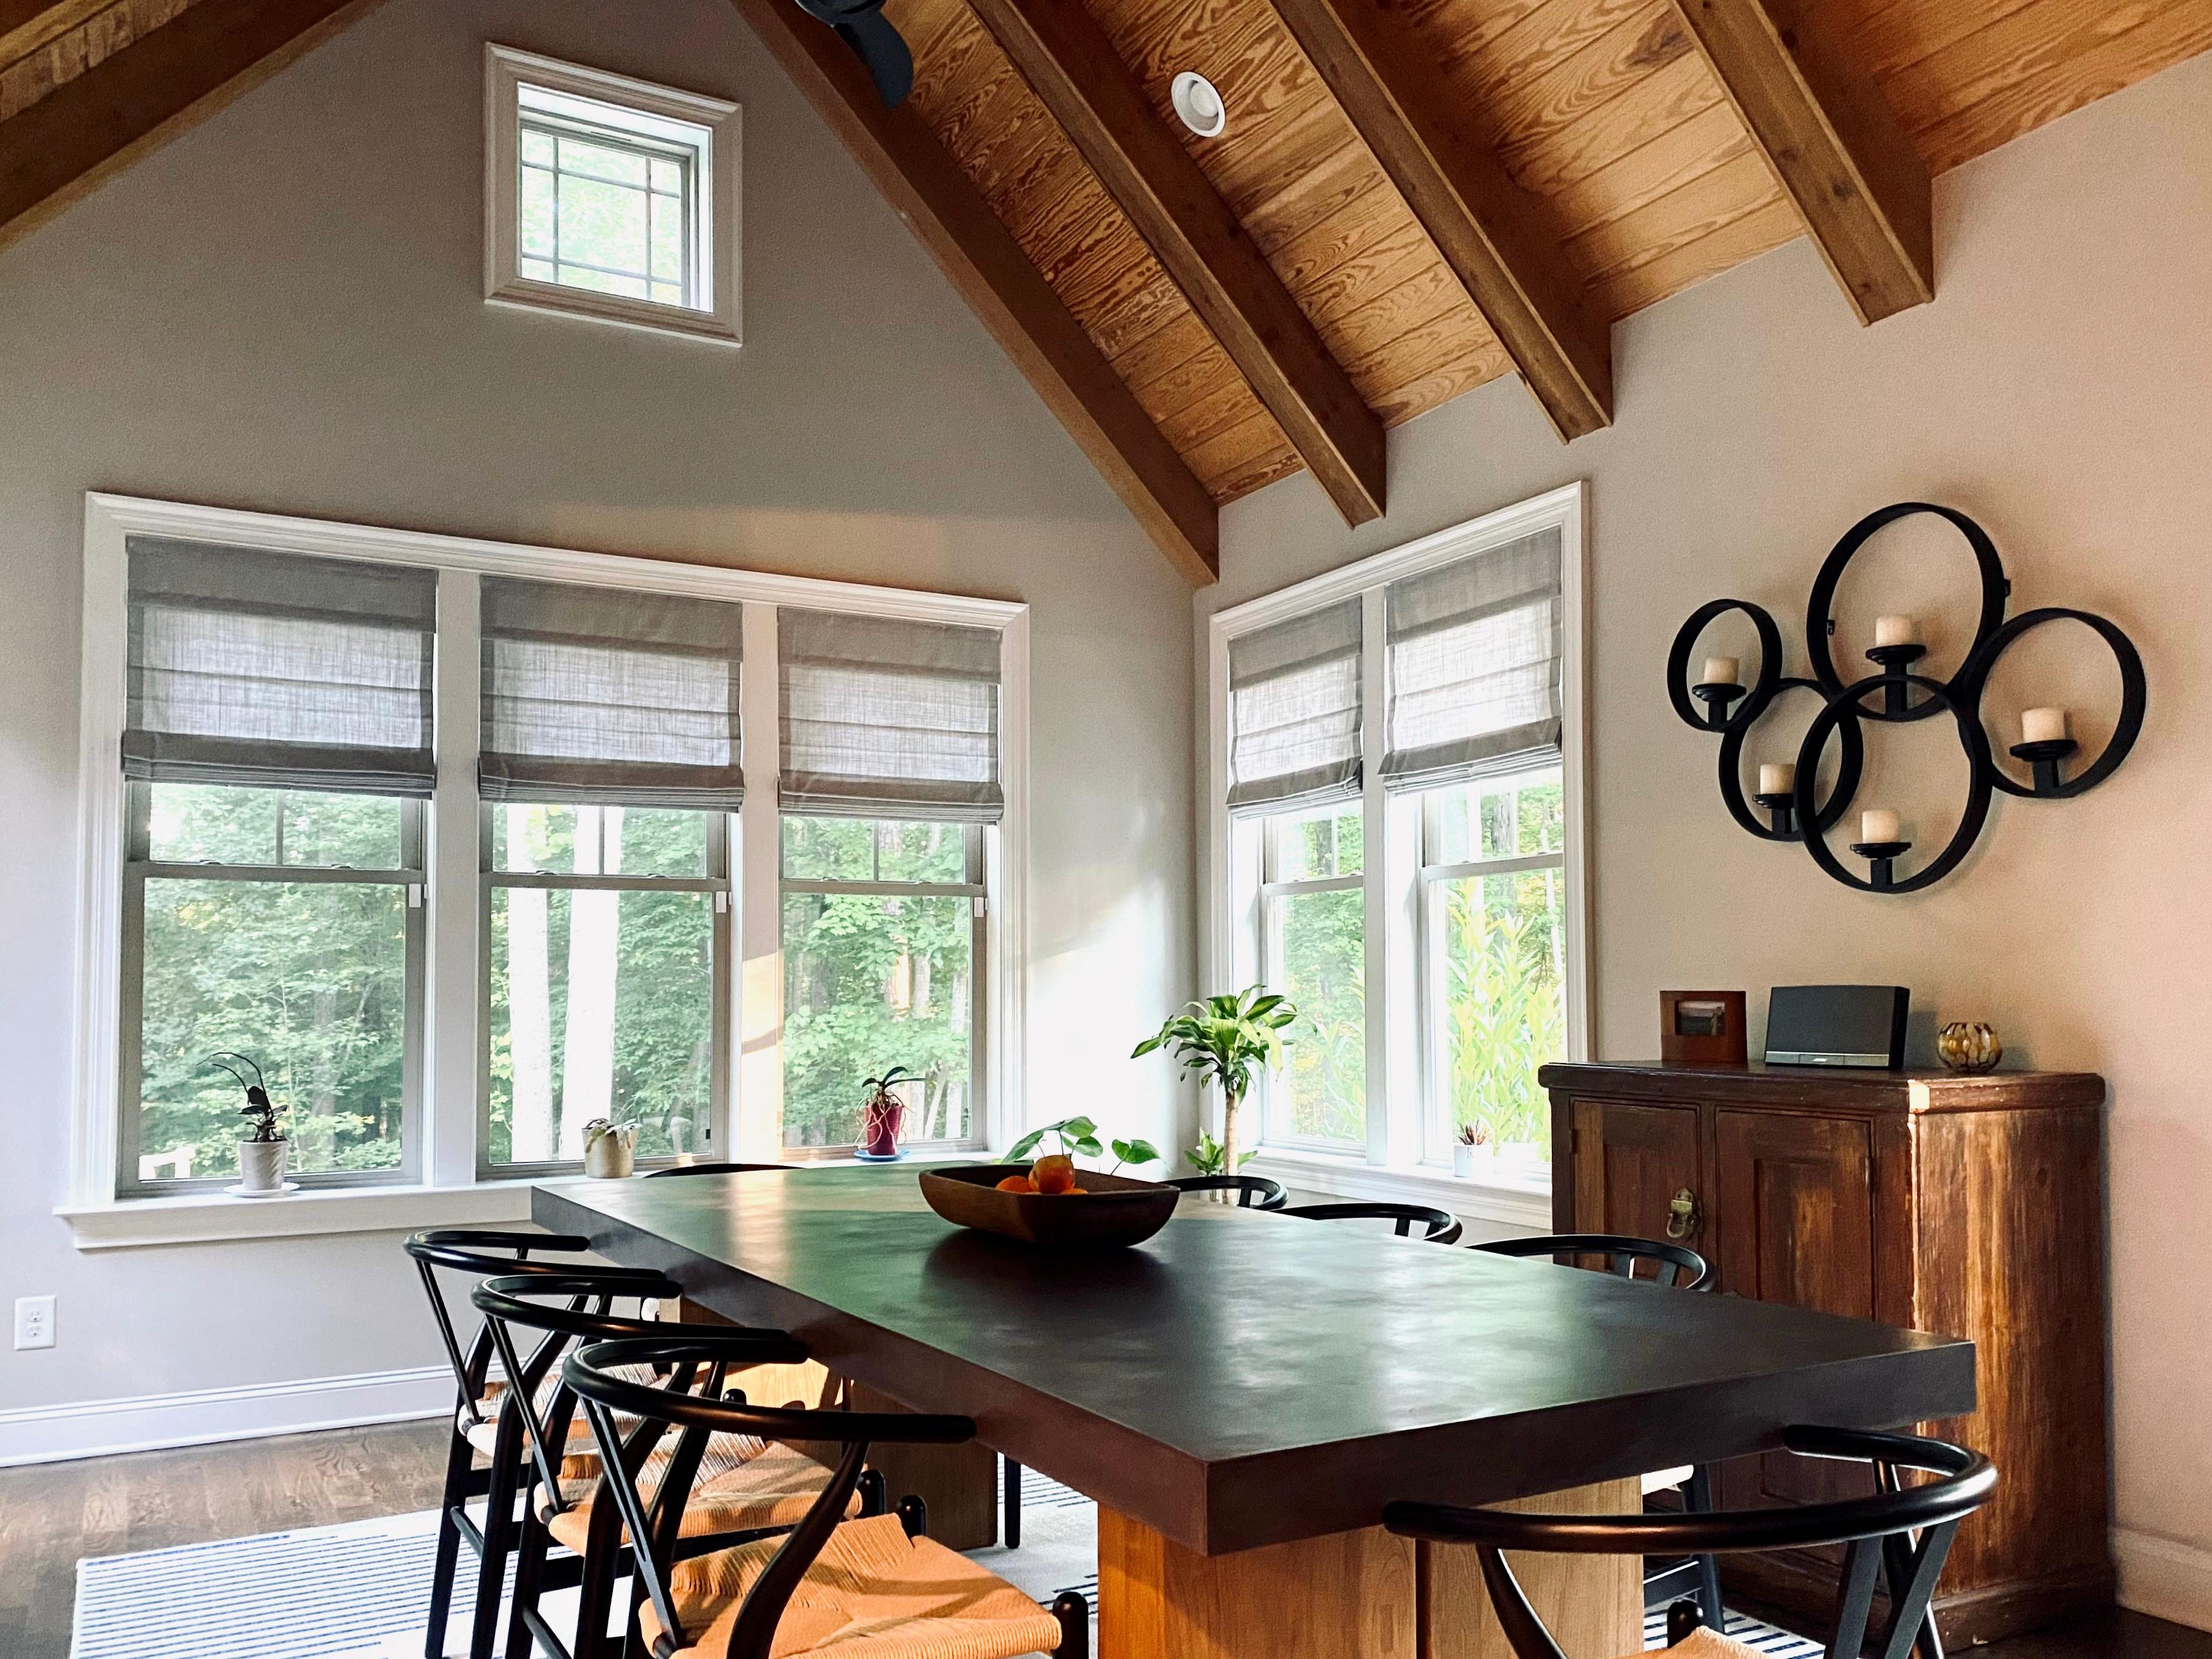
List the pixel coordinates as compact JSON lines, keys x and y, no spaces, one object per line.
{"x":261,"y":1154}
{"x":609,"y":1149}
{"x":1472,"y":1151}
{"x":883,"y":1114}
{"x":1227,"y":1039}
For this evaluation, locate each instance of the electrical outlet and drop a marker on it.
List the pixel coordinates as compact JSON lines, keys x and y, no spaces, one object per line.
{"x":35,"y":1322}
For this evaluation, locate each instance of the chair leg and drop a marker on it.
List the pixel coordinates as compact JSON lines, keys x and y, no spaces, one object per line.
{"x":1697,"y":1499}
{"x":604,"y":1562}
{"x":1073,"y":1613}
{"x":1012,"y":1505}
{"x":498,"y":1540}
{"x":458,"y":1460}
{"x":529,"y":1564}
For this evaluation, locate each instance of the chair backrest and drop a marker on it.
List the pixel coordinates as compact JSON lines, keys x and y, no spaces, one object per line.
{"x":1677,"y":1265}
{"x":1442,"y":1226}
{"x":474,"y":1250}
{"x":1253,"y":1192}
{"x":693,"y":1400}
{"x":710,"y":1168}
{"x":1902,"y":1531}
{"x":579,"y":1308}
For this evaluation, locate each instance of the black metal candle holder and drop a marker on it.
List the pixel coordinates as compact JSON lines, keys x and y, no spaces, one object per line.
{"x":2043,"y":757}
{"x":1718,"y":696}
{"x":1894,"y":660}
{"x":1894,"y":694}
{"x":1881,"y":857}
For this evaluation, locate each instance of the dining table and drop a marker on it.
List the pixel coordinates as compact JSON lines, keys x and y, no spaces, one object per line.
{"x":1243,"y":1393}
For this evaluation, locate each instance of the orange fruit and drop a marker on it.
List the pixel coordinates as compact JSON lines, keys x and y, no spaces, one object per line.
{"x":1054,"y":1174}
{"x":1017,"y":1184}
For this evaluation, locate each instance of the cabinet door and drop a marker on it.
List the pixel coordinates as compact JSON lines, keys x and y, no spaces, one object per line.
{"x":1794,"y":1203}
{"x":1629,"y":1162}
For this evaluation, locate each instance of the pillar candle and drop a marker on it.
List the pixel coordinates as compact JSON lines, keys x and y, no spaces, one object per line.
{"x":1720,"y":670}
{"x":1775,"y":779}
{"x":1896,"y":630}
{"x":2042,"y":725}
{"x":1878,"y":824}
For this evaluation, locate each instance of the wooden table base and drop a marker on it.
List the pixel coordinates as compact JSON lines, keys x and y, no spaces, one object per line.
{"x":1358,"y":1595}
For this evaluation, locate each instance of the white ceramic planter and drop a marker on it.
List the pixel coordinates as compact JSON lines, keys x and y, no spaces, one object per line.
{"x":261,"y":1165}
{"x":1468,"y":1162}
{"x":612,"y":1155}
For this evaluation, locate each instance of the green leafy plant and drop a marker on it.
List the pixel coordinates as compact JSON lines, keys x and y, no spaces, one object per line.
{"x":1080,"y":1136}
{"x":1211,"y":1158}
{"x":1227,"y":1039}
{"x":258,"y":1106}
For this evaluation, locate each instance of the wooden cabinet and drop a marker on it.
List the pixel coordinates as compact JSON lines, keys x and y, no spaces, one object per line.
{"x":1968,"y":1205}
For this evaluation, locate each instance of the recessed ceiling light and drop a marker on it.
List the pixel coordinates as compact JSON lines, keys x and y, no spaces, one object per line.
{"x":1199,"y":104}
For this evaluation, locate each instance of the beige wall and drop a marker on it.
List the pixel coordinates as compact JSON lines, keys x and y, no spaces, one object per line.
{"x":2060,"y":390}
{"x":283,"y":310}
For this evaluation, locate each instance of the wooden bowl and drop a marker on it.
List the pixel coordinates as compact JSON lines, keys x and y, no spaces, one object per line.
{"x":1111,"y":1212}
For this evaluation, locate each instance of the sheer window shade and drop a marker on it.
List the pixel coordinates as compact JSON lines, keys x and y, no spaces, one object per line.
{"x":1294,"y":702}
{"x":603,"y":695}
{"x":887,"y":718}
{"x":278,"y":670}
{"x":1474,"y":665}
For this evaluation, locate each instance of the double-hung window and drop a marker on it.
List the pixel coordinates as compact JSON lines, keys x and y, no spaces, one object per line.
{"x":463,"y":847}
{"x":1397,"y":846}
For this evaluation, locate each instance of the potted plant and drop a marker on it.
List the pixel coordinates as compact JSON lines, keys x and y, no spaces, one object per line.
{"x":1471,"y":1148}
{"x":883,"y":1114}
{"x":1210,"y":1157}
{"x":1080,"y":1135}
{"x":609,"y":1149}
{"x":1225,"y":1040}
{"x":261,"y":1154}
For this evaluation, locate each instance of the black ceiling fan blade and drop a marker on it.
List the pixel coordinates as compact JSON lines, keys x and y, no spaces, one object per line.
{"x":882,"y":50}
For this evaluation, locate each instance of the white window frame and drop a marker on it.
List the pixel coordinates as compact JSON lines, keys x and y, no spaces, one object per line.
{"x":746,"y":1119}
{"x":716,"y":235}
{"x":1399,"y":1161}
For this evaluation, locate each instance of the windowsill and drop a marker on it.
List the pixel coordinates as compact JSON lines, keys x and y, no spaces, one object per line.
{"x":1500,"y":1198}
{"x":208,"y":1217}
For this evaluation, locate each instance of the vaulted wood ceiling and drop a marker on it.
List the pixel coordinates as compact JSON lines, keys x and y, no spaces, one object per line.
{"x":1411,"y":197}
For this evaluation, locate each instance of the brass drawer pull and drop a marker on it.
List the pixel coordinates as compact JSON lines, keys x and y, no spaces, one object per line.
{"x":1683,"y":1220}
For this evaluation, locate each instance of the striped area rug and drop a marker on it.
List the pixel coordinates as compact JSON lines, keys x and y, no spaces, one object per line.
{"x":361,"y":1590}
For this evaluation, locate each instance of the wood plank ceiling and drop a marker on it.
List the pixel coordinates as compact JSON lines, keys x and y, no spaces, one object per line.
{"x":1212,"y":320}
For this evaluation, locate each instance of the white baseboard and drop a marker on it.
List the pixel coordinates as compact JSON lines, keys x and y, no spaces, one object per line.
{"x":95,"y":1428}
{"x":2164,"y":1578}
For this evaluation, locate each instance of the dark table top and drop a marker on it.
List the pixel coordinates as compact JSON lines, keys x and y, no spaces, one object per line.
{"x":1247,"y":1378}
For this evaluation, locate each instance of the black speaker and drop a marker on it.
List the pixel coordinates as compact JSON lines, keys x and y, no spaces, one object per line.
{"x":1835,"y":1025}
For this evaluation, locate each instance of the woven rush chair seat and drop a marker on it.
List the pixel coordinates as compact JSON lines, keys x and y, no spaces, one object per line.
{"x":873,"y":1593}
{"x":1705,"y":1643}
{"x":743,"y":1484}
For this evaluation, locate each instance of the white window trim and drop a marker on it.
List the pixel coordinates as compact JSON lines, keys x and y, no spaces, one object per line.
{"x":1394,"y":1163}
{"x":452,"y":1070}
{"x":721,"y":198}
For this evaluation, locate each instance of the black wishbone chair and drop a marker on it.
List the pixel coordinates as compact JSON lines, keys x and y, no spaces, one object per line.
{"x":1901,"y":1534}
{"x":876,"y":1586}
{"x":481,"y":1426}
{"x":1253,"y":1192}
{"x":1681,"y":1267}
{"x":740,"y":1487}
{"x":1441,"y":1226}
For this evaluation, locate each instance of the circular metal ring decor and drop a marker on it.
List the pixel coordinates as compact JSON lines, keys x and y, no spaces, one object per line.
{"x":1839,"y":794}
{"x":1893,"y":693}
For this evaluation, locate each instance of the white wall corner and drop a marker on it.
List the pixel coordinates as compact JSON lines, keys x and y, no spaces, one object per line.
{"x":2164,"y":1578}
{"x":97,"y":1428}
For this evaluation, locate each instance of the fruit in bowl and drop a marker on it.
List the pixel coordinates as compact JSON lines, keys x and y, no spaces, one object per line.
{"x":1022,"y":1202}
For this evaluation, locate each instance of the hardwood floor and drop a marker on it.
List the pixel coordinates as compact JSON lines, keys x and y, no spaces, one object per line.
{"x":51,"y":1514}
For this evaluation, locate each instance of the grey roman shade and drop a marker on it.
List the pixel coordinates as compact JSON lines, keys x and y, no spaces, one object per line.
{"x":1294,"y":701}
{"x":279,"y":671}
{"x":603,"y":695}
{"x":884,"y":718}
{"x":1473,"y":666}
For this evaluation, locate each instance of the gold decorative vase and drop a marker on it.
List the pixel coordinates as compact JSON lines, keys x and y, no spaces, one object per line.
{"x":1968,"y":1045}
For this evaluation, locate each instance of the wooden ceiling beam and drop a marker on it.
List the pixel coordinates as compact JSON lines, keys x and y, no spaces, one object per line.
{"x":983,"y":262}
{"x":27,"y":25}
{"x":69,"y":142}
{"x":1490,"y":232}
{"x":1832,"y":140}
{"x":1069,"y":63}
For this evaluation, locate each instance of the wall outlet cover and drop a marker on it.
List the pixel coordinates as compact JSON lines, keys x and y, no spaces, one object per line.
{"x":35,"y":1322}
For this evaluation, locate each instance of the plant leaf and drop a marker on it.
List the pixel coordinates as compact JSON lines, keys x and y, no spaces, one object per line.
{"x":1022,"y":1148}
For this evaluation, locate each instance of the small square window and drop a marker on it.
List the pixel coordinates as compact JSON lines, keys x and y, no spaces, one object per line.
{"x":610,"y":198}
